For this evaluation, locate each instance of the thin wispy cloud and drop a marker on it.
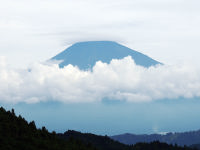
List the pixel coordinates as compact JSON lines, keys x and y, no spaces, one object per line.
{"x":36,"y":30}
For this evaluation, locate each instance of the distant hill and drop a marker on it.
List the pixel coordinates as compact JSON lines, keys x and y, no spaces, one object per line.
{"x":105,"y":143}
{"x":86,"y":54}
{"x":17,"y":134}
{"x":185,"y":138}
{"x":196,"y":146}
{"x":101,"y":142}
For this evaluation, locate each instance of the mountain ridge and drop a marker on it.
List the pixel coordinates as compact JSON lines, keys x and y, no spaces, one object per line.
{"x":181,"y":138}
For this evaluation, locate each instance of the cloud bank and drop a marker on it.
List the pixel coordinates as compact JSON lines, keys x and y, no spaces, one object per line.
{"x":118,"y":80}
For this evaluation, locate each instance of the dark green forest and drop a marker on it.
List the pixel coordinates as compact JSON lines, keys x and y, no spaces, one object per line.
{"x":18,"y":134}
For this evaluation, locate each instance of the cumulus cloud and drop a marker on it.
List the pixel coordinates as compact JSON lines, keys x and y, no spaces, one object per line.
{"x":118,"y":80}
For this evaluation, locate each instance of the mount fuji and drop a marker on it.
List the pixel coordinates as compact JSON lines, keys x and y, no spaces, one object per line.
{"x":108,"y":117}
{"x":86,"y":54}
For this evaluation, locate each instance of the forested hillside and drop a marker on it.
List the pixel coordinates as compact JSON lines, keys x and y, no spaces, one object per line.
{"x":17,"y":134}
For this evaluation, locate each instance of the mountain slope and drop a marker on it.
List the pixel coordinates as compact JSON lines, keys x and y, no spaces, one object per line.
{"x":86,"y":54}
{"x":101,"y":142}
{"x":185,"y":138}
{"x":17,"y":134}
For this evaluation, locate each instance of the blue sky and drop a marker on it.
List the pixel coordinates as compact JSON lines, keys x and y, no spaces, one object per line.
{"x":159,"y":99}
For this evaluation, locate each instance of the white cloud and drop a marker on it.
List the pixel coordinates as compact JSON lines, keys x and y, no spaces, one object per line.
{"x":118,"y":80}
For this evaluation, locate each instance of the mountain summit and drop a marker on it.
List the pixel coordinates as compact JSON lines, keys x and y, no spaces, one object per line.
{"x":86,"y":54}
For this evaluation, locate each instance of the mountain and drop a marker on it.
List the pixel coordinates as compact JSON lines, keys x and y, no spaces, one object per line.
{"x":106,"y":143}
{"x":185,"y":138}
{"x":86,"y":54}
